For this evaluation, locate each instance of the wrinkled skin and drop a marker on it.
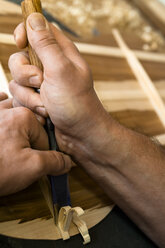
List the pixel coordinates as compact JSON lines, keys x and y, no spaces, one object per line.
{"x":127,"y":165}
{"x":66,"y":86}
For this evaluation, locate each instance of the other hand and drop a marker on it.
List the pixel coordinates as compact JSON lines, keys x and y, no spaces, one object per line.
{"x":24,"y":149}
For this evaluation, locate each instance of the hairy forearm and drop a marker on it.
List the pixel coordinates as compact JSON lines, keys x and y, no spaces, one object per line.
{"x":131,"y":170}
{"x":127,"y":165}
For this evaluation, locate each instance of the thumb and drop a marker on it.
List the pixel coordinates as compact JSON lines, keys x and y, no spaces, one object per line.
{"x":43,"y":41}
{"x":51,"y":162}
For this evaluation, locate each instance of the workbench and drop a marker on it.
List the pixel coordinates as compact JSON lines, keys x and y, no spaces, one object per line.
{"x":115,"y":231}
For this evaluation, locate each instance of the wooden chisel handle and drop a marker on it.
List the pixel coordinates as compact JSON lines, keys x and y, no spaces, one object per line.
{"x":59,"y":185}
{"x":29,"y":7}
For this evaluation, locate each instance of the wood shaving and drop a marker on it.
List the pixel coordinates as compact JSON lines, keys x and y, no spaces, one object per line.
{"x":99,"y":17}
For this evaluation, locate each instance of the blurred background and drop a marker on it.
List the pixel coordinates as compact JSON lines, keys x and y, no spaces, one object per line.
{"x":98,"y":17}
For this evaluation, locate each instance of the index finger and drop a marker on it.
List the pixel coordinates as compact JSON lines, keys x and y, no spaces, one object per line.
{"x":6,"y":104}
{"x":20,"y":36}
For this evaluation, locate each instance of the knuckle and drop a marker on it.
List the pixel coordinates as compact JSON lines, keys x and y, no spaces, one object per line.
{"x":61,"y":162}
{"x":15,"y":103}
{"x":64,"y":66}
{"x":16,"y":67}
{"x":39,"y":163}
{"x":20,"y":75}
{"x":12,"y":58}
{"x":24,"y":114}
{"x":57,"y":164}
{"x":27,"y":101}
{"x":30,"y":101}
{"x":36,"y":163}
{"x":12,"y":87}
{"x":45,"y":41}
{"x":87,"y":72}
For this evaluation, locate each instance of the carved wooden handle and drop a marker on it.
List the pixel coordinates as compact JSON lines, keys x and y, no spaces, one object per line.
{"x":29,"y":7}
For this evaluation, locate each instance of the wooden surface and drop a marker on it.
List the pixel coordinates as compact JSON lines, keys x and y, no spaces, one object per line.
{"x":142,"y":77}
{"x":26,"y":213}
{"x":109,"y":51}
{"x":45,"y":228}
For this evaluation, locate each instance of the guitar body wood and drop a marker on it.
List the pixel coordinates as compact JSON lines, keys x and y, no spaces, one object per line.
{"x":26,"y":214}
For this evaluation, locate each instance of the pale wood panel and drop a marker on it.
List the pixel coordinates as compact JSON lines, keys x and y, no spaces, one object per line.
{"x":116,"y":52}
{"x":125,"y":90}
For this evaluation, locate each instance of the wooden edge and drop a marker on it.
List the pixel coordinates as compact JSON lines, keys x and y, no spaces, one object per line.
{"x":116,"y":52}
{"x":142,"y":77}
{"x":7,"y":39}
{"x":124,"y":90}
{"x":99,"y":50}
{"x":44,"y":229}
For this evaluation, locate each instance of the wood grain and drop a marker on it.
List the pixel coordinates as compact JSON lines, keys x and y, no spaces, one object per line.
{"x":26,"y":213}
{"x":45,"y":228}
{"x":29,"y":204}
{"x":142,"y":77}
{"x":109,"y":68}
{"x":29,"y":7}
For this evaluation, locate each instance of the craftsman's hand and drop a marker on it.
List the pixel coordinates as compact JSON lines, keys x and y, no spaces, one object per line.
{"x":66,"y":85}
{"x":129,"y":166}
{"x":23,"y":149}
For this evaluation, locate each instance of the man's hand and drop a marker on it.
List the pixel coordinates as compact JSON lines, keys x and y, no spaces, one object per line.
{"x":24,"y":155}
{"x":66,"y":85}
{"x":128,"y":165}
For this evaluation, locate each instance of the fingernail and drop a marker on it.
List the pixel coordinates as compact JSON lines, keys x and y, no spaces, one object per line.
{"x":35,"y":81}
{"x":37,"y":22}
{"x":42,"y":111}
